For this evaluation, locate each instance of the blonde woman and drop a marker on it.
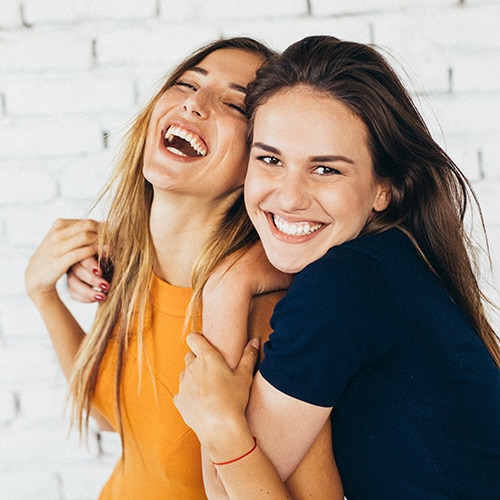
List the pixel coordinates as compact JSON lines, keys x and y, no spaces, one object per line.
{"x":175,"y":214}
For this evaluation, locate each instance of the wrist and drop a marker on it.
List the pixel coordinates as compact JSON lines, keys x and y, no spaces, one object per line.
{"x":231,"y":447}
{"x":239,"y":457}
{"x":43,"y":296}
{"x":228,"y":440}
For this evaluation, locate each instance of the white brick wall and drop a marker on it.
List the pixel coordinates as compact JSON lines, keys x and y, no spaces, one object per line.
{"x":72,"y":73}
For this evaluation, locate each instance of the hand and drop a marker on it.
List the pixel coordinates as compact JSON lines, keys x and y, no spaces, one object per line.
{"x":86,"y":282}
{"x":211,"y":395}
{"x":67,"y":242}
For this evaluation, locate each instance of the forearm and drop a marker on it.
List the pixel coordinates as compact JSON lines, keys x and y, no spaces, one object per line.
{"x":65,"y":332}
{"x":212,"y":399}
{"x":215,"y":320}
{"x":251,"y":477}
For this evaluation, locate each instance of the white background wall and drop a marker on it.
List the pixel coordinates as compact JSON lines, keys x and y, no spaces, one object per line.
{"x":73,"y":72}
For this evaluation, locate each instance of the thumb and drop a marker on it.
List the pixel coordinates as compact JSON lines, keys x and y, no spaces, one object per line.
{"x":249,"y":357}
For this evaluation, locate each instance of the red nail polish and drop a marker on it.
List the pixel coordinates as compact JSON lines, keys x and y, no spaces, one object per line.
{"x":104,"y":287}
{"x":95,"y":271}
{"x":99,"y":297}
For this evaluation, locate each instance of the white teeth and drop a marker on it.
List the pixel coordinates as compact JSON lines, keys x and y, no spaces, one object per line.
{"x":193,"y":140}
{"x":295,"y":228}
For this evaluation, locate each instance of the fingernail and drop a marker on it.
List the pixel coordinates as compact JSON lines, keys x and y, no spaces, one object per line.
{"x":99,"y":297}
{"x":95,"y":271}
{"x":104,"y":287}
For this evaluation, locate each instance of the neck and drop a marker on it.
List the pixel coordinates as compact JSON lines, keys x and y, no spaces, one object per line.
{"x":180,"y":227}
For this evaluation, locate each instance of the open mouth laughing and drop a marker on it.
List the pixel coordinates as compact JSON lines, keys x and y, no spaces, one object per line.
{"x":183,"y":142}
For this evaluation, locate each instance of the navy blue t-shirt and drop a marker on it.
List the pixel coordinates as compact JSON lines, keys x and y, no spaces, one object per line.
{"x":369,"y":330}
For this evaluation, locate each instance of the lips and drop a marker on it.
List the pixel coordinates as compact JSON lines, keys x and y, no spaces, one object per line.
{"x":184,"y":142}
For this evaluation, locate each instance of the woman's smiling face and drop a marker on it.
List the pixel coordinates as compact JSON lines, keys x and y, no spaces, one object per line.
{"x":196,"y":134}
{"x":310,"y":183}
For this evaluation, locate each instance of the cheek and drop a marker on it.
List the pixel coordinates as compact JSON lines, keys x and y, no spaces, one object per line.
{"x":235,"y":144}
{"x":253,"y":189}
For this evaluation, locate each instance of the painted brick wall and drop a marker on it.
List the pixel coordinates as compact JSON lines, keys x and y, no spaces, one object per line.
{"x":72,"y":73}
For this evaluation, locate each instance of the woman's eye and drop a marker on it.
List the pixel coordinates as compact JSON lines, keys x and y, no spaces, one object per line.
{"x":269,"y":160}
{"x":322,"y":170}
{"x":181,"y":83}
{"x":238,"y":108}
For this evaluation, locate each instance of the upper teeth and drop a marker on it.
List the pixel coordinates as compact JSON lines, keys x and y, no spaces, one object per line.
{"x":195,"y":142}
{"x":295,"y":228}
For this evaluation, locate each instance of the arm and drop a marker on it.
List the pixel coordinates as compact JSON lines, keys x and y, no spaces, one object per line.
{"x":212,"y":400}
{"x":284,"y":440}
{"x":67,"y":242}
{"x":230,"y":297}
{"x":223,"y":436}
{"x":236,"y":285}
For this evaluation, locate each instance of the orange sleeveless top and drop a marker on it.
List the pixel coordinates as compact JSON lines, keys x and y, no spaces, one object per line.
{"x":161,"y":453}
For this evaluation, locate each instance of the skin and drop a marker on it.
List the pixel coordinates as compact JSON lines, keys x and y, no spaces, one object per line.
{"x":197,"y":190}
{"x":310,"y":185}
{"x":191,"y":193}
{"x":216,"y":87}
{"x":309,"y":165}
{"x":205,"y":108}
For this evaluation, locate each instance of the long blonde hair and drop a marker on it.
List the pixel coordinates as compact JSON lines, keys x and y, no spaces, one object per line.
{"x":131,"y":256}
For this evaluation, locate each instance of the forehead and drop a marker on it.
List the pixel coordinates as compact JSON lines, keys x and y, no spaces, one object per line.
{"x":309,"y":110}
{"x":231,"y":65}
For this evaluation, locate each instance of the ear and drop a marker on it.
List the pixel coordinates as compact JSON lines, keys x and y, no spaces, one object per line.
{"x":383,"y":197}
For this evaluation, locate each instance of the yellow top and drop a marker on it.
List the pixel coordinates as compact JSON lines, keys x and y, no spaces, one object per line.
{"x":162,"y":454}
{"x":162,"y":458}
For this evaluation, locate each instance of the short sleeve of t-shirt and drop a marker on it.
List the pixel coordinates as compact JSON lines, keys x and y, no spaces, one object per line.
{"x":340,"y":315}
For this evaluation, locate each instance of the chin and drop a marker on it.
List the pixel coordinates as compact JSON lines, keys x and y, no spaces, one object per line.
{"x":287,"y":267}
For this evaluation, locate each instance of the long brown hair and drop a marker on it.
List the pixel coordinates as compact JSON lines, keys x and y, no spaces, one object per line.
{"x":430,"y":194}
{"x":131,"y":253}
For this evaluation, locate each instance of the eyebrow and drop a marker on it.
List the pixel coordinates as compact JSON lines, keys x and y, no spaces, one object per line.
{"x":322,"y":158}
{"x":231,"y":85}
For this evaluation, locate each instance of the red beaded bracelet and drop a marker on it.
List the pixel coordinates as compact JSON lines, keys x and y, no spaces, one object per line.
{"x":242,"y":456}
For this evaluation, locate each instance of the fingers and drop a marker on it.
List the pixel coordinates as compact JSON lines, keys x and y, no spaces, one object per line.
{"x":84,"y":292}
{"x":87,"y":270}
{"x":189,"y":358}
{"x":83,"y":231}
{"x":249,"y":357}
{"x":67,"y":242}
{"x":72,"y":236}
{"x":200,"y":346}
{"x":85,"y":281}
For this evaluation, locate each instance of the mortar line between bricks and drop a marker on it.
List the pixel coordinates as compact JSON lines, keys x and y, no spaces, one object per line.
{"x":23,"y":16}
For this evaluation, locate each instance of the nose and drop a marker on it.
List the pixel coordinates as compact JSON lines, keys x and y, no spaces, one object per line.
{"x":293,"y":192}
{"x":197,"y":103}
